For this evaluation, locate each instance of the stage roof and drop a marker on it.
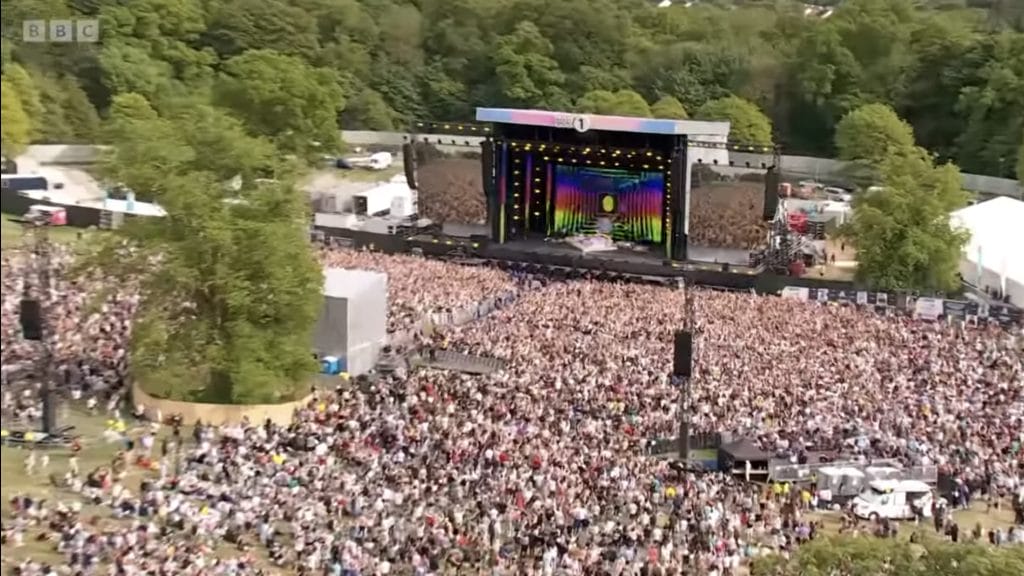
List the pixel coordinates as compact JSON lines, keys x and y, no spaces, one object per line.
{"x":586,"y":122}
{"x":350,"y":282}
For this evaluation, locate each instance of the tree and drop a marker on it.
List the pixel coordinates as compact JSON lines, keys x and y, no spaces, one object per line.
{"x":902,"y":230}
{"x":1020,"y":161}
{"x":871,"y":132}
{"x":17,"y":126}
{"x":284,"y":99}
{"x":230,"y":290}
{"x":27,"y":93}
{"x":748,"y":124}
{"x":368,"y":111}
{"x":669,"y":107}
{"x":851,"y":556}
{"x":621,"y":103}
{"x":526,"y":74}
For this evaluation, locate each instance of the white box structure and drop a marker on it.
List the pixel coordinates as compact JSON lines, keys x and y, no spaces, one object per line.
{"x":353,"y":322}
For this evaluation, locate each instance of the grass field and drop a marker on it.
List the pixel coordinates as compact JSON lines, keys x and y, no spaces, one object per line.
{"x":358,"y":175}
{"x":16,"y":481}
{"x":12,"y":233}
{"x":96,"y":452}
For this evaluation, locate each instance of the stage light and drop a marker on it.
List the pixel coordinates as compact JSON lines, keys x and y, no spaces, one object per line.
{"x":602,"y":162}
{"x":586,"y":150}
{"x":446,"y":126}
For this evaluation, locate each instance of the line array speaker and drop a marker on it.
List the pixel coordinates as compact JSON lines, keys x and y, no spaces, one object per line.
{"x":409,"y":163}
{"x":682,"y":360}
{"x":31,"y":325}
{"x":771,"y":193}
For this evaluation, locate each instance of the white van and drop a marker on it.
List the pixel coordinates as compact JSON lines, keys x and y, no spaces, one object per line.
{"x":894,"y":499}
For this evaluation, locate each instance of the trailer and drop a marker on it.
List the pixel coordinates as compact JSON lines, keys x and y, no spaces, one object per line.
{"x":380,"y":201}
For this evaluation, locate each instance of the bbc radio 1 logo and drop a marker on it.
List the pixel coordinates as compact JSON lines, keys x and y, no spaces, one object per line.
{"x":61,"y":31}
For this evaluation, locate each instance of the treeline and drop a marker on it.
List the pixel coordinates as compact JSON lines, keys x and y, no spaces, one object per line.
{"x":954,"y":69}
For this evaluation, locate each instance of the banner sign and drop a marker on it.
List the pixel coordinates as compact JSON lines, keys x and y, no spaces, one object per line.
{"x":923,"y":308}
{"x":928,"y":308}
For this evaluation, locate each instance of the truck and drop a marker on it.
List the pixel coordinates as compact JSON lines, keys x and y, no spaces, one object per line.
{"x":894,"y":499}
{"x":381,"y":200}
{"x":375,"y":161}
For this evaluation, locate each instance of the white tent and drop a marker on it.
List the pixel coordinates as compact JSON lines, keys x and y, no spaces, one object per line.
{"x":994,"y":256}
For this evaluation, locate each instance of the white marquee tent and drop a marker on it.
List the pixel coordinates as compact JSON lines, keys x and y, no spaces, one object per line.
{"x":994,"y":256}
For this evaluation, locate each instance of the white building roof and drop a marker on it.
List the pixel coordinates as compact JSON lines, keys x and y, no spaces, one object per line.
{"x":348,"y":282}
{"x":997,"y":236}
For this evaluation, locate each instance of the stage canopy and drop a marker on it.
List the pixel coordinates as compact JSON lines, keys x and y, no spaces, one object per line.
{"x":993,"y":257}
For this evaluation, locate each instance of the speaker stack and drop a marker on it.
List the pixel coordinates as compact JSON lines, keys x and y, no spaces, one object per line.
{"x":682,"y":367}
{"x":409,"y":163}
{"x":682,"y":360}
{"x":771,"y":193}
{"x":31,"y":321}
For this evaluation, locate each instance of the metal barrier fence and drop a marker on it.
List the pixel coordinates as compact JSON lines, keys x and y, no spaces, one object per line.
{"x":783,"y":471}
{"x":920,"y":307}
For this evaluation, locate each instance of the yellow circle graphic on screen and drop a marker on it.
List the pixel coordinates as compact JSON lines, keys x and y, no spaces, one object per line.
{"x":608,"y":203}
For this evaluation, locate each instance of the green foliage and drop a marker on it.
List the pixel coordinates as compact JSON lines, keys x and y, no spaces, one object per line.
{"x":749,"y":124}
{"x":952,"y":69}
{"x":17,"y":127}
{"x":871,"y":132}
{"x":669,"y":107}
{"x":621,"y":103}
{"x":846,"y":556}
{"x":231,"y":289}
{"x":283,"y":98}
{"x":902,"y":231}
{"x":1020,"y":159}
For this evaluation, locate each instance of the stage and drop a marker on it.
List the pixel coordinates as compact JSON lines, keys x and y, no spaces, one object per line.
{"x":698,"y":256}
{"x":624,"y":261}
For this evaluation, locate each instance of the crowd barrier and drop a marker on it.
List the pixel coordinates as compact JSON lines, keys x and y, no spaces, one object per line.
{"x":217,"y":414}
{"x":698,"y":441}
{"x":786,"y":472}
{"x":925,"y":308}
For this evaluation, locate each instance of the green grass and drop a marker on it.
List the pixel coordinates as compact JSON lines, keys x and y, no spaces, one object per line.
{"x":12,"y":233}
{"x":96,"y":452}
{"x":362,"y":175}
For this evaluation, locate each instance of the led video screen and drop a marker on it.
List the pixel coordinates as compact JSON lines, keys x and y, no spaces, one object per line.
{"x":450,"y":187}
{"x":631,"y":201}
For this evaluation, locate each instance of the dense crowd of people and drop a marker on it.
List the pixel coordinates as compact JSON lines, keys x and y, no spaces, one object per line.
{"x":541,"y":468}
{"x":420,"y":289}
{"x":86,"y":318}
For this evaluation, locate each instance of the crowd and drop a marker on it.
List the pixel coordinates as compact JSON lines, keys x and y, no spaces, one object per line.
{"x":541,"y":468}
{"x":86,"y":321}
{"x":419,"y":289}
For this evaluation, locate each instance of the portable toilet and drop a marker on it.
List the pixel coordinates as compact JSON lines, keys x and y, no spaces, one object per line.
{"x":330,"y":365}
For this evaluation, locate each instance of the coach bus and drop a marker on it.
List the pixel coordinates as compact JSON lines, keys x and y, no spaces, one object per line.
{"x":27,"y":183}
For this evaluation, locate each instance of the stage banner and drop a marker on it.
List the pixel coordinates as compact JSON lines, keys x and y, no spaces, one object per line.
{"x":796,"y":293}
{"x":1006,"y":314}
{"x":823,"y":295}
{"x":862,"y":298}
{"x":928,"y":308}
